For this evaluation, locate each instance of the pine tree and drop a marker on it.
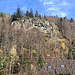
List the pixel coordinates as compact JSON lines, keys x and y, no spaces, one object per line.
{"x":31,"y":13}
{"x":71,"y":20}
{"x":27,"y":13}
{"x":19,"y":13}
{"x":36,"y":13}
{"x":14,"y":17}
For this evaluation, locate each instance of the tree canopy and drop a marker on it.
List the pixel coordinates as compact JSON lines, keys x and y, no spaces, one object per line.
{"x":31,"y":13}
{"x":27,"y":13}
{"x":36,"y":13}
{"x":17,"y":14}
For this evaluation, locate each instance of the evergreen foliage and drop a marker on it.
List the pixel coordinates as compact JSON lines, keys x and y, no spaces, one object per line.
{"x":14,"y":17}
{"x":36,"y":13}
{"x":71,"y":20}
{"x":31,"y":13}
{"x":3,"y":14}
{"x":27,"y":13}
{"x":61,"y":19}
{"x":17,"y":14}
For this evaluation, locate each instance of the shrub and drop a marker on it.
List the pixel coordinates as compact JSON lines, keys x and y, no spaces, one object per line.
{"x":40,"y":62}
{"x":1,"y":14}
{"x":71,"y":20}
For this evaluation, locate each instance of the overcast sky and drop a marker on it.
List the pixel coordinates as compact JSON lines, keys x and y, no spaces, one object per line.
{"x":61,"y":8}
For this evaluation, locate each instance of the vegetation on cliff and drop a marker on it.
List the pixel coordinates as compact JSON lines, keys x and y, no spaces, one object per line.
{"x":28,"y":41}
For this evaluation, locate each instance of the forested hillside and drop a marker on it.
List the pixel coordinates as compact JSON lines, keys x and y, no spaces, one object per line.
{"x":28,"y":40}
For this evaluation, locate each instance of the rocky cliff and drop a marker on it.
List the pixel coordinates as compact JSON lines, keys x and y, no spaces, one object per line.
{"x":52,"y":43}
{"x":40,"y":24}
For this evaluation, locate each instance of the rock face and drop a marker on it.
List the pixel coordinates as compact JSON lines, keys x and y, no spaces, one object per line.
{"x":51,"y":40}
{"x":41,"y":24}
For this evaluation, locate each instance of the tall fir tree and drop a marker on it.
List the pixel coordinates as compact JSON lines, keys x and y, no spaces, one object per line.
{"x":36,"y":13}
{"x":19,"y":13}
{"x":31,"y":13}
{"x":27,"y":13}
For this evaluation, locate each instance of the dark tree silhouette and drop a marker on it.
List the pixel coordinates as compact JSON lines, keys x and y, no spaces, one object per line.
{"x":17,"y":14}
{"x":31,"y":13}
{"x":27,"y":13}
{"x":36,"y":13}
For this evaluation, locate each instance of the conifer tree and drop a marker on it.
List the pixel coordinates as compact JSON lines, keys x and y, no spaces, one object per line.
{"x":31,"y":13}
{"x":19,"y":13}
{"x":71,"y":20}
{"x":36,"y":13}
{"x":14,"y":17}
{"x":27,"y":13}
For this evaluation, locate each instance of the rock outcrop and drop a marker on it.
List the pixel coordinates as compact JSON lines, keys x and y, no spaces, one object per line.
{"x":52,"y":41}
{"x":41,"y":24}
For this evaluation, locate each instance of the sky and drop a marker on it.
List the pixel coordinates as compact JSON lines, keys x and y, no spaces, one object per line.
{"x":61,"y":8}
